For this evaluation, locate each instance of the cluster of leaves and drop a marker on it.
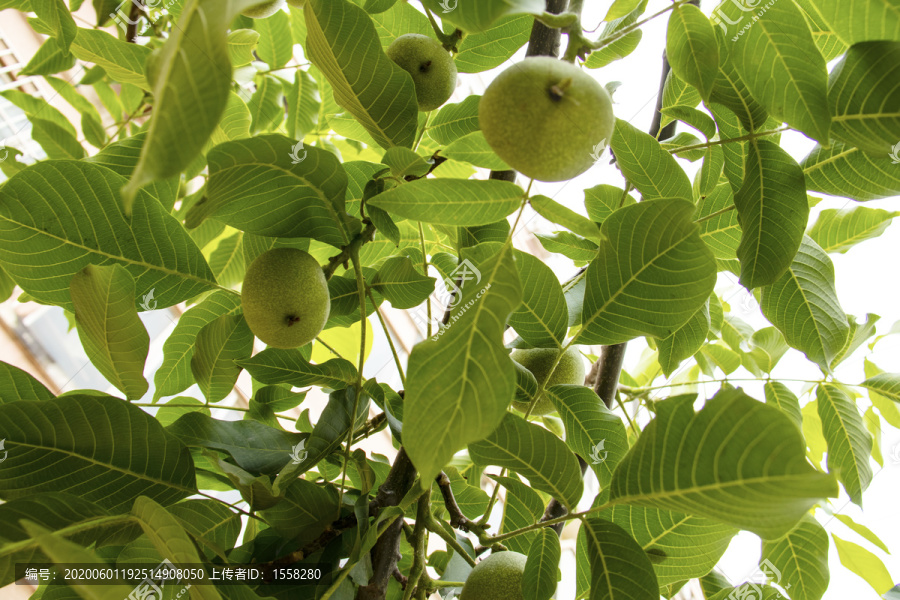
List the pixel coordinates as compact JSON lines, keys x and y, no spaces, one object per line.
{"x":203,"y":172}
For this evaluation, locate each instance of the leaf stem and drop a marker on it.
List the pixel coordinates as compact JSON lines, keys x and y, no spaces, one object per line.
{"x":329,"y":348}
{"x":364,"y":237}
{"x":435,"y":527}
{"x":448,"y":41}
{"x":743,"y":138}
{"x":423,"y":510}
{"x":716,"y":214}
{"x":489,"y":540}
{"x":425,"y":266}
{"x":361,"y":288}
{"x":390,"y":340}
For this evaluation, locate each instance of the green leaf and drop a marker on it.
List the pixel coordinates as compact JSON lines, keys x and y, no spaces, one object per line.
{"x":54,"y":511}
{"x":329,"y":432}
{"x":737,"y":461}
{"x":856,"y":22}
{"x":452,"y":201}
{"x":55,"y":140}
{"x":257,"y":448}
{"x":16,"y":384}
{"x":403,"y":162}
{"x":845,"y":171}
{"x":886,"y":384}
{"x":49,"y":59}
{"x":804,"y":306}
{"x":174,"y":375}
{"x":692,"y":49}
{"x":123,"y":156}
{"x":76,"y":220}
{"x":461,"y":381}
{"x":211,"y":523}
{"x":652,"y":170}
{"x":651,"y":275}
{"x":113,"y":336}
{"x":619,"y":566}
{"x":802,"y":559}
{"x":219,"y":344}
{"x":304,"y":104}
{"x":366,"y":82}
{"x":474,"y":17}
{"x":863,"y":563}
{"x":123,"y":62}
{"x":782,"y":398}
{"x":722,"y":233}
{"x":306,"y":510}
{"x":864,"y":98}
{"x":266,"y":105}
{"x":534,"y":453}
{"x":730,"y":91}
{"x":735,"y":152}
{"x":849,"y":444}
{"x":569,"y":245}
{"x":839,"y":230}
{"x":79,"y":447}
{"x":454,"y":121}
{"x":778,"y":60}
{"x":56,"y":16}
{"x":241,"y":44}
{"x":767,"y":348}
{"x":621,"y":8}
{"x":697,"y":119}
{"x":863,"y":531}
{"x":258,"y":185}
{"x":772,"y":211}
{"x":474,"y":149}
{"x":35,"y":107}
{"x":603,"y":200}
{"x":592,"y":430}
{"x":486,"y":50}
{"x":274,"y":365}
{"x":828,"y":42}
{"x":684,"y":342}
{"x":542,"y":317}
{"x":686,"y":547}
{"x":275,"y":44}
{"x":542,"y":566}
{"x":399,"y":282}
{"x":523,"y":507}
{"x":571,"y":220}
{"x":191,"y":77}
{"x":60,"y":550}
{"x":171,"y":541}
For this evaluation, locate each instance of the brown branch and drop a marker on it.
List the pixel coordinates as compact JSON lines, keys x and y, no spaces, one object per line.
{"x":457,"y":518}
{"x":133,"y":20}
{"x":386,"y":551}
{"x":365,"y":236}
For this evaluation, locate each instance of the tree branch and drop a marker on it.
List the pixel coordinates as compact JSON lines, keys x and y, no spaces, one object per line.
{"x":133,"y":20}
{"x":386,"y":551}
{"x":364,"y":237}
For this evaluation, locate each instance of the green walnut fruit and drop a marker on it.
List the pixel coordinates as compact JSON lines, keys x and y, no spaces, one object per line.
{"x":430,"y":65}
{"x":546,"y":118}
{"x":498,"y":577}
{"x":285,"y":298}
{"x":264,"y":9}
{"x":539,"y":361}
